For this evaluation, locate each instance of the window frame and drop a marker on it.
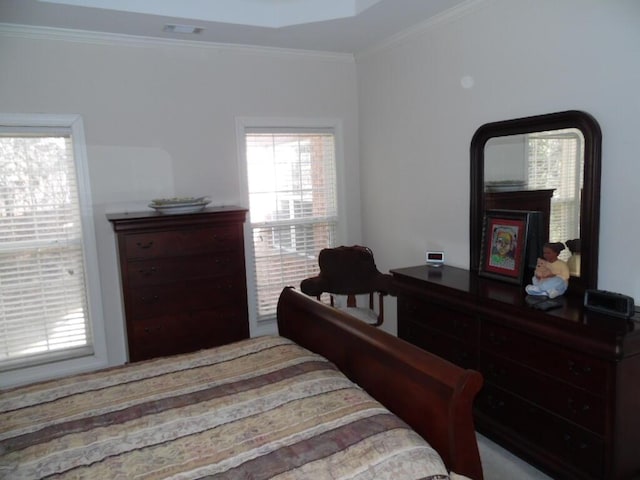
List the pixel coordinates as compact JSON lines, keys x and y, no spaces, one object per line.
{"x":282,"y":124}
{"x":97,"y":359}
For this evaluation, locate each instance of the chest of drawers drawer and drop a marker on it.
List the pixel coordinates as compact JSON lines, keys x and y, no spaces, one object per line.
{"x":572,"y":367}
{"x":434,"y":341}
{"x":556,"y":438}
{"x":176,"y":269}
{"x":446,"y":320}
{"x":174,"y":298}
{"x":189,"y":241}
{"x":170,"y":334}
{"x":575,"y":404}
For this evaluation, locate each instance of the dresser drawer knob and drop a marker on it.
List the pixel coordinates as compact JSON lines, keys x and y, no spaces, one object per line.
{"x":496,"y":339}
{"x":146,"y":245}
{"x":460,"y":324}
{"x":576,"y":370}
{"x":149,"y":299}
{"x":147,"y":272}
{"x":462,"y":355}
{"x":494,"y":403}
{"x":571,"y":403}
{"x":495,"y":371}
{"x":574,"y":444}
{"x":411,"y":308}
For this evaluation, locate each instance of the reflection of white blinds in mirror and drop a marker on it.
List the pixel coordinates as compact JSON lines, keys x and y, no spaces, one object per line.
{"x":556,"y":161}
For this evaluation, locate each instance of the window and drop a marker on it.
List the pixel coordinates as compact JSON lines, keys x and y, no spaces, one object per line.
{"x":49,"y":306}
{"x":292,"y":192}
{"x":555,"y":161}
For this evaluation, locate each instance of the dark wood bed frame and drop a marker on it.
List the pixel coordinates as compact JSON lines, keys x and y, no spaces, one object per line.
{"x":433,"y":396}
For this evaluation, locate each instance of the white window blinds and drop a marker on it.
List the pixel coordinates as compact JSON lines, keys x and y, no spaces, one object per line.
{"x":293,"y":207}
{"x":43,"y":302}
{"x":555,"y":160}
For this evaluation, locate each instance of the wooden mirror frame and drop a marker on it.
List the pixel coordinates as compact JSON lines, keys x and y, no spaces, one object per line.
{"x":590,"y":202}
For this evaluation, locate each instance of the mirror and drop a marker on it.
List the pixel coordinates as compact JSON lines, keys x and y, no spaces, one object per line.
{"x":549,"y":163}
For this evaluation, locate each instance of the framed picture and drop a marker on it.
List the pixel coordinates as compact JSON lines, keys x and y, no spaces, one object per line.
{"x":504,"y":245}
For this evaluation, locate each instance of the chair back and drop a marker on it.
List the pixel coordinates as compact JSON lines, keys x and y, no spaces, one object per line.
{"x":349,"y":271}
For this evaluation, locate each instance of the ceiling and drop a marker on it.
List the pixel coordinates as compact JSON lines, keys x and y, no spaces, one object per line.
{"x":341,"y":26}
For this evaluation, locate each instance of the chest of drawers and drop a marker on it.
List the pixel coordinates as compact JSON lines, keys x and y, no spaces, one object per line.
{"x":562,"y":388}
{"x":183,"y":280}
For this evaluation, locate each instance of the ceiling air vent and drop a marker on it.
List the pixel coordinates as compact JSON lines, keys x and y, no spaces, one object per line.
{"x":188,"y":29}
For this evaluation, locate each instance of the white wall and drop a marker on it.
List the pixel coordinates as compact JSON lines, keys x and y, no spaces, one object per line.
{"x":525,"y":58}
{"x":160,"y":121}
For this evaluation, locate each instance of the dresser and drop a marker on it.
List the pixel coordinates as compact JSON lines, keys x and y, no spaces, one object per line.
{"x":183,"y":280}
{"x":536,"y":200}
{"x":562,"y":387}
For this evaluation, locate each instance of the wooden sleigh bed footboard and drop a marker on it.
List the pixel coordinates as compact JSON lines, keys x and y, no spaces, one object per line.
{"x":432,"y":395}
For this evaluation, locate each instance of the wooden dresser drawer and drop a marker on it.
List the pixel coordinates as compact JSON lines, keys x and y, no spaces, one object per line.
{"x":185,"y":332}
{"x":181,"y":242}
{"x":174,"y":269}
{"x":542,"y":432}
{"x":446,"y":346}
{"x":173,"y":298}
{"x":568,"y":401}
{"x":570,"y":366}
{"x":447,"y":320}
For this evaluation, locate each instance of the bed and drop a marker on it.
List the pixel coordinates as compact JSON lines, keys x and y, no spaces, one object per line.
{"x":302,"y":405}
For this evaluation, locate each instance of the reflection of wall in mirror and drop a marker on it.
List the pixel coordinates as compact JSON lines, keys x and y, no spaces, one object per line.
{"x":500,"y":153}
{"x":574,"y":264}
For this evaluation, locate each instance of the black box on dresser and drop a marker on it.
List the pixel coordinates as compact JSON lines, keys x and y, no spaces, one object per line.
{"x":562,"y":387}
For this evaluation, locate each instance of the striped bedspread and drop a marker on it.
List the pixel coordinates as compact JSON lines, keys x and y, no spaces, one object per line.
{"x":260,"y":408}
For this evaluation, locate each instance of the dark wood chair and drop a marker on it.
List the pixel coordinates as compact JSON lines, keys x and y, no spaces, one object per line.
{"x":349,"y":272}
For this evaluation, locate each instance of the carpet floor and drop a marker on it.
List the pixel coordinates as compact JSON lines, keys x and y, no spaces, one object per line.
{"x":500,"y":464}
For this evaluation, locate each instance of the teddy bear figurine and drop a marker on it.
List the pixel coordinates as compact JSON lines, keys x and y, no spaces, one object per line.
{"x":542,"y":269}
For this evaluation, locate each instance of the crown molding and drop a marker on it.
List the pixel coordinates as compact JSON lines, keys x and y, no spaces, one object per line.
{"x":113,"y":39}
{"x":450,"y":15}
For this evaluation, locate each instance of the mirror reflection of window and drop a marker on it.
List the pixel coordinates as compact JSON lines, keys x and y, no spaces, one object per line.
{"x":556,"y":161}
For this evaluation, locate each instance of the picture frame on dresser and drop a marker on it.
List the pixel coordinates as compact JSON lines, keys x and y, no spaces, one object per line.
{"x":505,"y":244}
